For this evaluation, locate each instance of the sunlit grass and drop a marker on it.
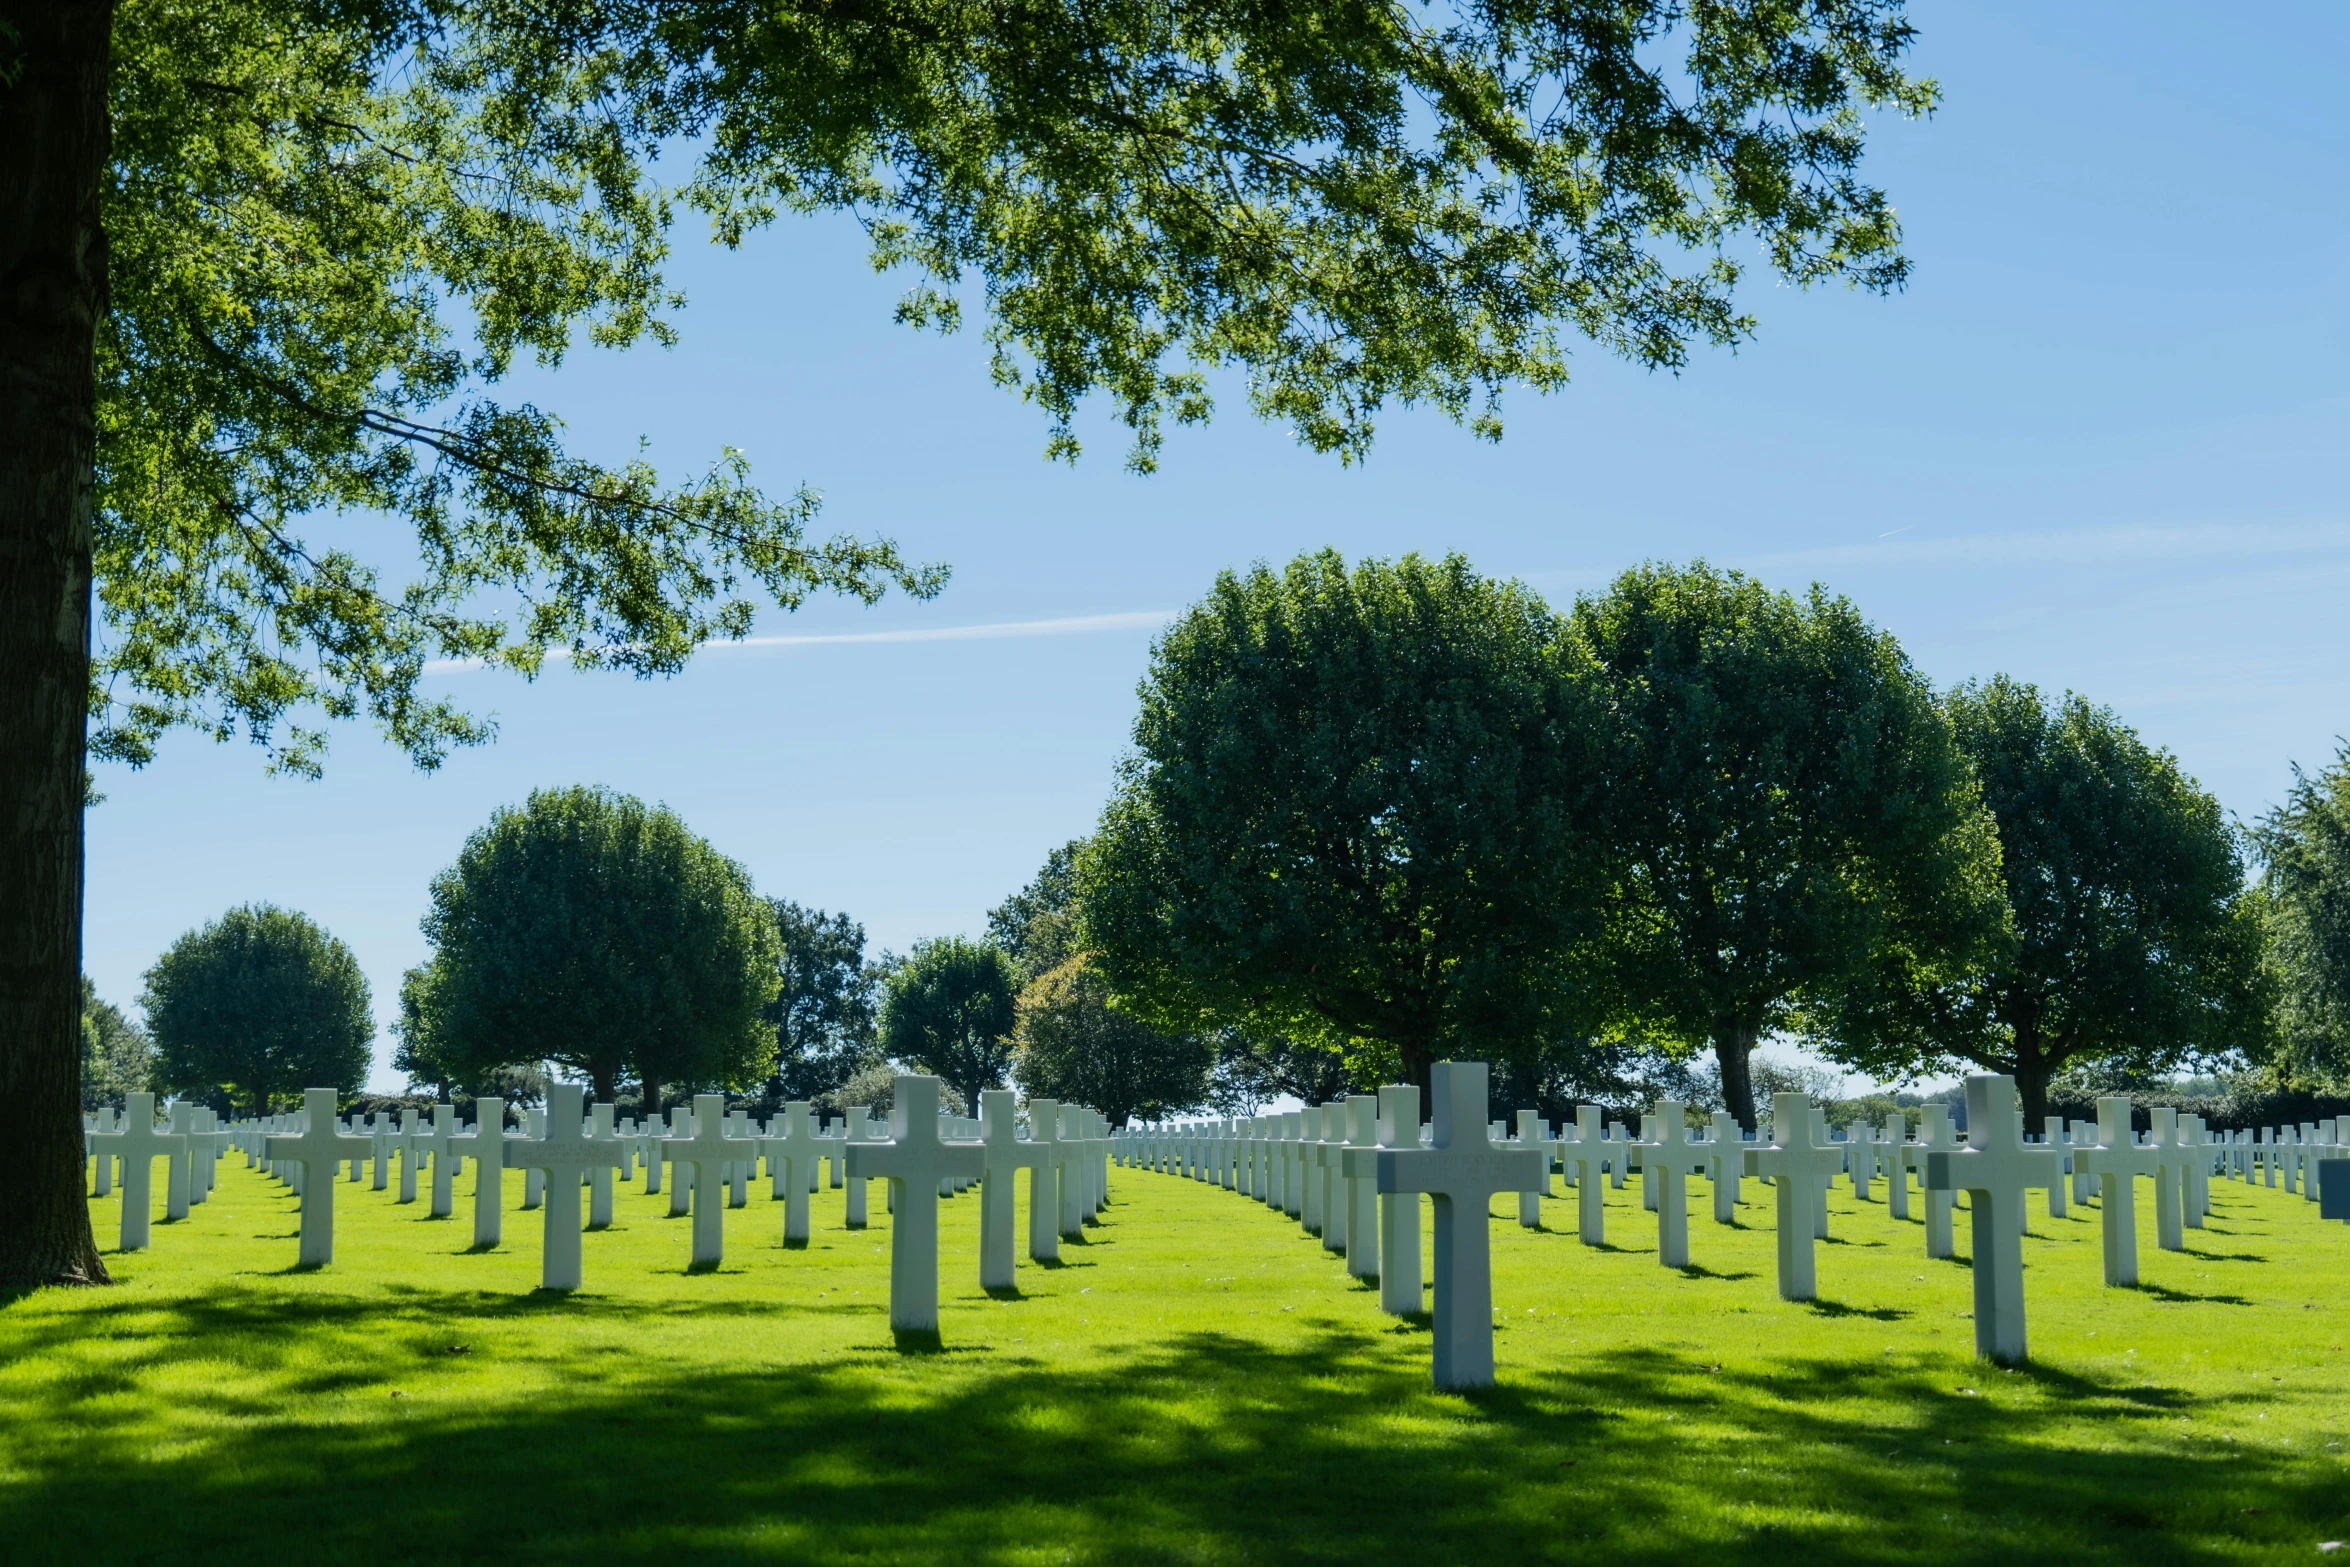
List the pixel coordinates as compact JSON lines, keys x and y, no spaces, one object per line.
{"x":1198,"y":1381}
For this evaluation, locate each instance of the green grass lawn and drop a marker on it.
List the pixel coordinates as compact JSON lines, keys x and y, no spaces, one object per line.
{"x":1197,"y":1382}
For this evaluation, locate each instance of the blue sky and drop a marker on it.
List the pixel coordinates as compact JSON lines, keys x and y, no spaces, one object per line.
{"x":2099,"y":443}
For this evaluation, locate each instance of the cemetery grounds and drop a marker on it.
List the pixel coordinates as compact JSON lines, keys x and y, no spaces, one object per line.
{"x":1197,"y":1381}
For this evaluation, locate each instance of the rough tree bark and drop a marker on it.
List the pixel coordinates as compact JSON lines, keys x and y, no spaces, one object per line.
{"x":1733,"y":1048}
{"x":53,"y":150}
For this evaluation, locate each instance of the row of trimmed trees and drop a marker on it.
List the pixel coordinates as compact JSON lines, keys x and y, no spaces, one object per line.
{"x":1384,"y":814}
{"x":1381,"y":814}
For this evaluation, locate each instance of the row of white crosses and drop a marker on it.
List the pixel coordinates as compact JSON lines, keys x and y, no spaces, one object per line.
{"x":1065,"y":1151}
{"x":1460,"y":1160}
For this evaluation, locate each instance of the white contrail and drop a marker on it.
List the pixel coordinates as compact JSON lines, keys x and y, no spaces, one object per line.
{"x":993,"y":631}
{"x":1071,"y":625}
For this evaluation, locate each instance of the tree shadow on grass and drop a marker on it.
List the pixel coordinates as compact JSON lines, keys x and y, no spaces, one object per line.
{"x":1821,"y":1307}
{"x":2184,"y":1297}
{"x":1205,"y":1448}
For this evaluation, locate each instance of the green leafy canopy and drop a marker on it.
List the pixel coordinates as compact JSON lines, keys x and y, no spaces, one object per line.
{"x":334,"y":225}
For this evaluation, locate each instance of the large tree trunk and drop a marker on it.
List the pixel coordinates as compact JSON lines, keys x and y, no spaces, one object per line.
{"x":1732,"y":1048}
{"x":53,"y":149}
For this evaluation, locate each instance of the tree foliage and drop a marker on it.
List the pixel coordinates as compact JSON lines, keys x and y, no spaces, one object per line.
{"x":826,"y":1009}
{"x":950,"y":1009}
{"x":1358,"y":809}
{"x":590,"y":930}
{"x":260,"y":1004}
{"x":117,"y":1056}
{"x":2131,"y":933}
{"x":334,"y":228}
{"x":1792,"y":813}
{"x":1075,"y":1046}
{"x":1037,"y":926}
{"x":288,"y":249}
{"x":331,"y":231}
{"x":2304,"y":849}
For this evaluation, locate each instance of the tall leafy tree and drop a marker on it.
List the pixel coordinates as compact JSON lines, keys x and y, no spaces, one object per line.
{"x":825,"y":1011}
{"x":1037,"y":926}
{"x":2304,"y":848}
{"x":588,"y":929}
{"x":1793,"y":811}
{"x":117,"y":1056}
{"x":950,"y":1009}
{"x":1074,"y":1045}
{"x":2133,"y":937}
{"x":260,"y":1004}
{"x":271,"y":257}
{"x":1358,"y":808}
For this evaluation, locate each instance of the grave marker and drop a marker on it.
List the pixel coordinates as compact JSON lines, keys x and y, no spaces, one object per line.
{"x":1584,"y":1158}
{"x":1799,"y":1168}
{"x":1460,"y":1171}
{"x":486,"y":1143}
{"x":1726,"y":1163}
{"x":704,"y":1154}
{"x":915,"y":1161}
{"x":793,"y":1161}
{"x":563,"y":1157}
{"x":1006,"y":1157}
{"x":317,"y":1148}
{"x":1399,"y":1213}
{"x":1362,"y":1188}
{"x":1671,"y":1158}
{"x":1995,"y":1169}
{"x":1533,"y":1134}
{"x":138,"y":1144}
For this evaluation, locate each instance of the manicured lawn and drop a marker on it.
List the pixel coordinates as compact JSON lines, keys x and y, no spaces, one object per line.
{"x":1197,"y":1382}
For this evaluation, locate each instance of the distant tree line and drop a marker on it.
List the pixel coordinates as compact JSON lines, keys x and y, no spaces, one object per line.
{"x":1380,"y":814}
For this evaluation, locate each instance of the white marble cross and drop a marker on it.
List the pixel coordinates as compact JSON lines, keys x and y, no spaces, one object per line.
{"x":1799,"y":1169}
{"x":699,"y":1170}
{"x":1533,"y":1134}
{"x":317,"y":1148}
{"x":603,"y":1177}
{"x":1330,"y":1175}
{"x":1995,"y":1169}
{"x":1399,"y":1213}
{"x":1007,"y":1156}
{"x":914,"y":1162}
{"x":1460,"y":1172}
{"x":2056,"y":1139}
{"x":486,"y":1146}
{"x":858,"y":1129}
{"x":1860,"y":1158}
{"x":1671,"y":1158}
{"x":180,"y":1181}
{"x":404,"y":1141}
{"x":1362,"y":1187}
{"x":1648,"y":1180}
{"x":1895,"y":1150}
{"x":138,"y":1144}
{"x":102,"y":1183}
{"x":1935,"y":1133}
{"x":2117,"y":1161}
{"x":739,"y":1171}
{"x":565,"y":1154}
{"x":2196,"y":1138}
{"x":1585,"y":1156}
{"x":1726,"y":1163}
{"x":1069,"y":1158}
{"x":1618,"y":1160}
{"x":1309,"y":1133}
{"x":2170,"y":1175}
{"x":794,"y":1159}
{"x":441,"y":1143}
